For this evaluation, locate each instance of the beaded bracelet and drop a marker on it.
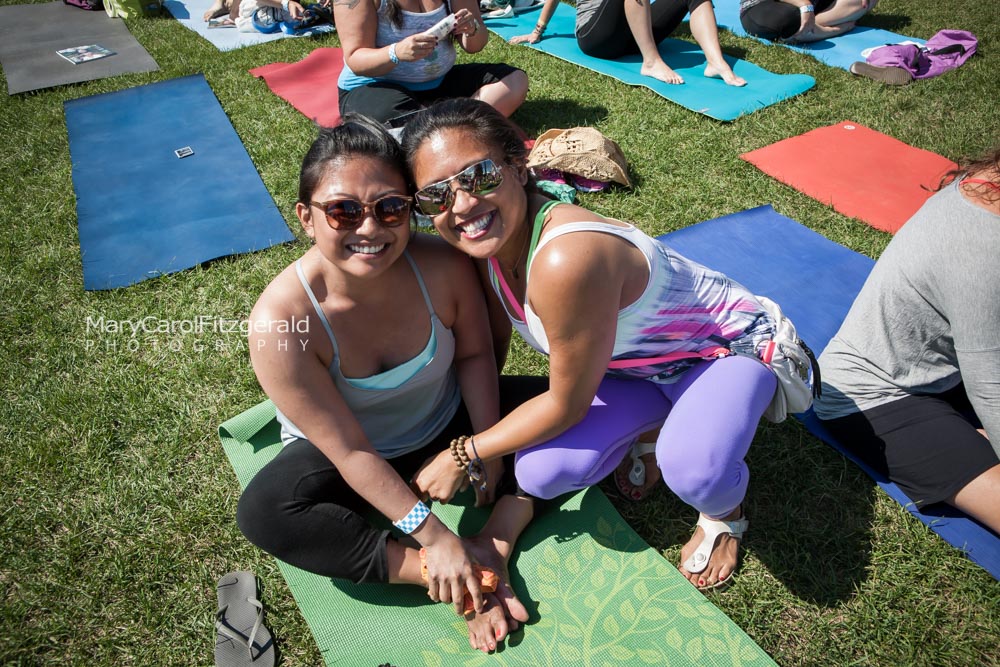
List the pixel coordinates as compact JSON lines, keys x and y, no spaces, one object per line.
{"x":476,"y":469}
{"x":412,"y":521}
{"x":458,"y":451}
{"x":539,"y":28}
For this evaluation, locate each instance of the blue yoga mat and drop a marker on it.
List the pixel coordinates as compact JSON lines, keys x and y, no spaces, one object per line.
{"x":839,"y":52}
{"x":815,"y":281}
{"x":143,"y":211}
{"x":711,"y":97}
{"x":189,"y":14}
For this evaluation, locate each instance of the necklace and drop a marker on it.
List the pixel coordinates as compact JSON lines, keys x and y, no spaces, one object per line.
{"x":524,"y":249}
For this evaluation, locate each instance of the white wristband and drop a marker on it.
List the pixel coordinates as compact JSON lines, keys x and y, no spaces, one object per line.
{"x":392,"y":54}
{"x":414,"y":519}
{"x":806,"y":9}
{"x":284,"y":5}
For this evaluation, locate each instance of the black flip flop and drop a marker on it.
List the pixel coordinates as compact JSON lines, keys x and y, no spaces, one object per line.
{"x":241,"y":639}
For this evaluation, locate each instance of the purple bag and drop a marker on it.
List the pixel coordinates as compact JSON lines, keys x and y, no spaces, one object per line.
{"x":944,"y":51}
{"x":86,"y":4}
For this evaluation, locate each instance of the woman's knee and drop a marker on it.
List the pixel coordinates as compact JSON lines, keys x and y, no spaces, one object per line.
{"x":259,"y":515}
{"x":507,"y":94}
{"x":713,"y":490}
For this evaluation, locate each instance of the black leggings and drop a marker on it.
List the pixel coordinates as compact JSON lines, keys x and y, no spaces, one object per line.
{"x":301,"y":510}
{"x":608,"y":36}
{"x":773,"y":19}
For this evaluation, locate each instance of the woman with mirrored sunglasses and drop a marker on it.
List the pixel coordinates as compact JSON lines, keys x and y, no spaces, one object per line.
{"x":375,"y":348}
{"x":614,"y":310}
{"x":394,"y":64}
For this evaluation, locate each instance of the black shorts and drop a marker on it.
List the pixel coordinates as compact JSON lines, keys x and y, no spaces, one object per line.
{"x":928,"y":445}
{"x":383,"y":100}
{"x":777,"y":20}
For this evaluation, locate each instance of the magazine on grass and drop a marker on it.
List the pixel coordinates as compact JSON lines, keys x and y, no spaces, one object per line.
{"x":82,"y":54}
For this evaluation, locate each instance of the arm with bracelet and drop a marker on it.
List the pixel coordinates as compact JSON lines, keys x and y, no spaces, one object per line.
{"x":357,"y":24}
{"x":544,"y":16}
{"x":469,"y":29}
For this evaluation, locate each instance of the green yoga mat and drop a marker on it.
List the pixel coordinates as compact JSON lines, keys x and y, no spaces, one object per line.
{"x":599,"y":595}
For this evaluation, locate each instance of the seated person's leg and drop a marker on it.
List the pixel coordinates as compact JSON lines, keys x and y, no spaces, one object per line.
{"x":716,"y":409}
{"x":605,"y":33}
{"x":589,"y":451}
{"x":504,"y":87}
{"x":706,"y":32}
{"x":771,"y":19}
{"x":838,"y":12}
{"x":299,"y":509}
{"x":380,"y":101}
{"x":929,"y":447}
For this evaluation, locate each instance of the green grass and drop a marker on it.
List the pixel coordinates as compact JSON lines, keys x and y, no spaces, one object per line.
{"x":119,"y":503}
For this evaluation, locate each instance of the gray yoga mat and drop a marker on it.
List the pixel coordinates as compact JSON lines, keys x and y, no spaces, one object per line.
{"x":30,"y":35}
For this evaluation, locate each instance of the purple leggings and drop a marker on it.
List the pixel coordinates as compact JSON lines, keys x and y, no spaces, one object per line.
{"x":711,"y":416}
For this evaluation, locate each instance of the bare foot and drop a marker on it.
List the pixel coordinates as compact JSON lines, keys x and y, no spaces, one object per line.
{"x":726,"y":74}
{"x":625,"y":485}
{"x":662,"y":72}
{"x":488,"y":626}
{"x":218,"y":8}
{"x":722,"y":562}
{"x":494,"y":554}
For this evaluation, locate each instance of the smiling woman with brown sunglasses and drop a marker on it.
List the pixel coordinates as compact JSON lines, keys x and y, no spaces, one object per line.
{"x":375,"y":348}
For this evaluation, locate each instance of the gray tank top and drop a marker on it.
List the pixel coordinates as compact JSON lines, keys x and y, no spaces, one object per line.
{"x":404,"y":408}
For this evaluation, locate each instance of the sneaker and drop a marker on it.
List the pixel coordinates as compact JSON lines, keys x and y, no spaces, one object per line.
{"x":892,"y":76}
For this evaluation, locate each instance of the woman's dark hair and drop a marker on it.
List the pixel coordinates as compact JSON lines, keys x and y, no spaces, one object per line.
{"x":989,"y":163}
{"x":483,"y":121}
{"x":356,"y":136}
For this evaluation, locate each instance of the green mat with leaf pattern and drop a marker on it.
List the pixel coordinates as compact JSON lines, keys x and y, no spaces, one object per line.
{"x":598,"y":594}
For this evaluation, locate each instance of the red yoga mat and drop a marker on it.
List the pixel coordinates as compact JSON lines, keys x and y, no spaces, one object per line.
{"x":309,"y":85}
{"x":860,"y":172}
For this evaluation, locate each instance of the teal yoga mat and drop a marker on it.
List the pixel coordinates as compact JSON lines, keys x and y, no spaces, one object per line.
{"x":839,"y":51}
{"x":707,"y":96}
{"x":599,"y":594}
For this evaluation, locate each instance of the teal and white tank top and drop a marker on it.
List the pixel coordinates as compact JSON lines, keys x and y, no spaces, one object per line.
{"x":402,"y":409}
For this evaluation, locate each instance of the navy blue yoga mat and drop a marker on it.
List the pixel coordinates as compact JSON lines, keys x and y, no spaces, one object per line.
{"x":143,"y":211}
{"x":815,"y":280}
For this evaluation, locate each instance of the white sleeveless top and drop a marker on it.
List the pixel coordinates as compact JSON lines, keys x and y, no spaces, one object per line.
{"x":685,"y":307}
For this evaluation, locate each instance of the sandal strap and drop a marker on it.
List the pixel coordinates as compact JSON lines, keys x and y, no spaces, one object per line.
{"x":712,"y":528}
{"x":637,"y":473}
{"x":223,"y":628}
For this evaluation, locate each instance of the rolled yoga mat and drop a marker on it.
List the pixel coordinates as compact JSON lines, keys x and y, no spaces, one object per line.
{"x":815,"y":281}
{"x":860,"y":172}
{"x":707,"y":96}
{"x":598,"y":593}
{"x":145,"y":206}
{"x":30,"y":36}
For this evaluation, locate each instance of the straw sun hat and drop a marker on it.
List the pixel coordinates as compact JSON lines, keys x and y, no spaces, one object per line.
{"x":582,"y":151}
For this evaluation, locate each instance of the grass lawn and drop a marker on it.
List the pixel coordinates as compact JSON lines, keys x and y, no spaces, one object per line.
{"x":118,"y":501}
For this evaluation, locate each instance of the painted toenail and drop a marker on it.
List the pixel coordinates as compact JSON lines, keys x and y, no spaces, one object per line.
{"x":701,"y":582}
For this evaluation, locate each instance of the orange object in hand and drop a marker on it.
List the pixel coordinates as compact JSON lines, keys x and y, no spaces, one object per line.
{"x":488,"y":580}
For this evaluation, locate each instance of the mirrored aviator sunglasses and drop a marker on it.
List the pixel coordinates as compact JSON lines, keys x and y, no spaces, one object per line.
{"x":389,"y":211}
{"x":480,"y":178}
